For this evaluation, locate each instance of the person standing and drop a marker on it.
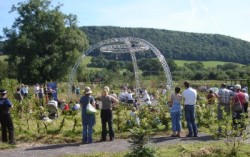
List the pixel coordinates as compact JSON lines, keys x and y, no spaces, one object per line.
{"x":88,"y":120}
{"x":5,"y":118}
{"x":18,"y":96}
{"x":224,"y":97}
{"x":24,"y":90}
{"x":245,"y":105}
{"x":175,"y":112}
{"x":106,"y":113}
{"x":237,"y":115}
{"x":190,"y":96}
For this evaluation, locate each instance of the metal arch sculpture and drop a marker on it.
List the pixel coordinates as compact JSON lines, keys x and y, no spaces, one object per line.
{"x":125,"y":45}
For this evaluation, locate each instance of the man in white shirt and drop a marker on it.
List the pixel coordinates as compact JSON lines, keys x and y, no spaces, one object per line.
{"x":190,"y":96}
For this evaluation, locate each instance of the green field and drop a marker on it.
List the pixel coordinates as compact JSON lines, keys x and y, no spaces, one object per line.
{"x":86,"y":60}
{"x":207,"y":64}
{"x":3,"y":57}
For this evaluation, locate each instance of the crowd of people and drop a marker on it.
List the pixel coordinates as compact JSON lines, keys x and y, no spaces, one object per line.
{"x":226,"y":99}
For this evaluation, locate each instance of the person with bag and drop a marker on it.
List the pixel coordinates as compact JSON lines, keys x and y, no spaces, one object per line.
{"x":237,"y":107}
{"x":106,"y":113}
{"x":88,"y":119}
{"x":5,"y":118}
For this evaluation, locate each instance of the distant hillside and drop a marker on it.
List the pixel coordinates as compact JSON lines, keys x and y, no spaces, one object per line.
{"x":179,"y":45}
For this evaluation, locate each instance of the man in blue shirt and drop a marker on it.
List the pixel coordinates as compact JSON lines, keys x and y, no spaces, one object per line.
{"x":5,"y":117}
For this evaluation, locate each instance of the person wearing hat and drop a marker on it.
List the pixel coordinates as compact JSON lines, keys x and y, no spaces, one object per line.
{"x":5,"y":117}
{"x":245,"y":105}
{"x":237,"y":115}
{"x":106,"y":113}
{"x":88,"y":120}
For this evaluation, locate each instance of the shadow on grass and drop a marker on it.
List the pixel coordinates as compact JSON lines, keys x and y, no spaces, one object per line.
{"x":202,"y":138}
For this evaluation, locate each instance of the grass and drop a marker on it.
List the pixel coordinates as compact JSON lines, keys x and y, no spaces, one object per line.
{"x":3,"y":57}
{"x":201,"y":149}
{"x":207,"y":64}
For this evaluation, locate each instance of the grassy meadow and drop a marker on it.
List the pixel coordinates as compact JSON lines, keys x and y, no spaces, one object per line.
{"x":3,"y":57}
{"x":207,"y":64}
{"x":200,"y":149}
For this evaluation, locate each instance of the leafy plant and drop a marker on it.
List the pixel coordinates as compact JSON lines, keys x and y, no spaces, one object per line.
{"x":139,"y":140}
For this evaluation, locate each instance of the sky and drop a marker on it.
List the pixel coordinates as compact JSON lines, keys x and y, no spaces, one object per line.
{"x":226,"y":17}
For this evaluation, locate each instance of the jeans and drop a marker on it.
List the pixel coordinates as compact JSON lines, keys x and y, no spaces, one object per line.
{"x":190,"y":118}
{"x":176,"y":123}
{"x":87,"y":133}
{"x":107,"y":117}
{"x":88,"y":122}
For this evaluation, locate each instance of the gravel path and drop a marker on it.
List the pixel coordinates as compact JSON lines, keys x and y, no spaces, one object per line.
{"x":114,"y":146}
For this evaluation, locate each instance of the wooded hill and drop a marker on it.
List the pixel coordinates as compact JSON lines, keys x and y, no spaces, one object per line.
{"x":179,"y":45}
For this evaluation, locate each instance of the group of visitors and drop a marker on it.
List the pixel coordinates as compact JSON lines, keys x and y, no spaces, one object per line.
{"x":130,"y":97}
{"x":226,"y":98}
{"x":226,"y":102}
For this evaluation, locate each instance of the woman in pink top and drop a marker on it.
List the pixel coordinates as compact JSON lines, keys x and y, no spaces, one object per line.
{"x":237,"y":115}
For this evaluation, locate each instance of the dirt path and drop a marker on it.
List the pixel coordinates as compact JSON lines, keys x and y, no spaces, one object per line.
{"x":76,"y":148}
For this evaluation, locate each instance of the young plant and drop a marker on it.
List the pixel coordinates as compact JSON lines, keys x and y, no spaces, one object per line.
{"x":139,"y":140}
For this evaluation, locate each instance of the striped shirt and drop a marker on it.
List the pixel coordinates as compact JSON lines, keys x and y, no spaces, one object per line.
{"x":224,"y":95}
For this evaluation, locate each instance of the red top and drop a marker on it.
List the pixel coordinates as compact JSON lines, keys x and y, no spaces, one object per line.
{"x":66,"y":107}
{"x":240,"y":97}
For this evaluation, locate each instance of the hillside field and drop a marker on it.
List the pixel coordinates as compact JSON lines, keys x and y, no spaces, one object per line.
{"x":87,"y":59}
{"x":207,"y":64}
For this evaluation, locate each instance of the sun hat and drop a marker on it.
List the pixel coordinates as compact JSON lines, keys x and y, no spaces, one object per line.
{"x":3,"y":91}
{"x":87,"y":90}
{"x":237,"y":87}
{"x":244,"y":89}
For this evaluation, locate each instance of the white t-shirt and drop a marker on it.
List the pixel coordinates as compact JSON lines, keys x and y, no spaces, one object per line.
{"x":53,"y":103}
{"x":122,"y":96}
{"x":189,"y":96}
{"x":246,"y":97}
{"x":130,"y":96}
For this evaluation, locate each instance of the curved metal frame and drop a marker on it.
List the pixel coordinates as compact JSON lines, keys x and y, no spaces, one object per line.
{"x":125,"y":45}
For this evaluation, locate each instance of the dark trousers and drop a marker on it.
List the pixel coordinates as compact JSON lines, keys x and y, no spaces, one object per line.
{"x":107,"y":117}
{"x":245,"y":109}
{"x":238,"y":121}
{"x":7,"y":124}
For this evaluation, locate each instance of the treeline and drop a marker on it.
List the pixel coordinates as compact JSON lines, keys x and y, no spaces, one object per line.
{"x":178,"y":45}
{"x":192,"y":71}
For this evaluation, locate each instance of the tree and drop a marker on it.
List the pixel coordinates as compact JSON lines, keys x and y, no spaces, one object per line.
{"x":3,"y":70}
{"x":150,"y":66}
{"x":43,"y":43}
